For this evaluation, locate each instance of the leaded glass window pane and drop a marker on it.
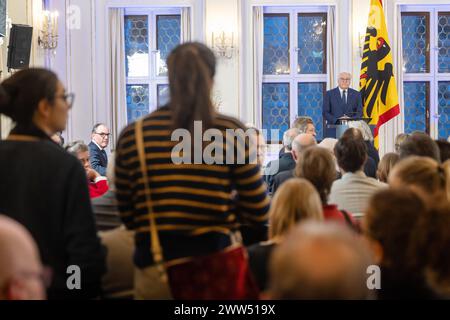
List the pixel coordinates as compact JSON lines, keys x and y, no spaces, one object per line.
{"x":444,"y":109}
{"x":136,"y":46}
{"x":275,"y":114}
{"x":312,"y":43}
{"x":163,"y":95}
{"x":444,"y":42}
{"x":168,"y":37}
{"x":416,"y":101}
{"x":416,"y":42}
{"x":137,"y":101}
{"x":276,"y":44}
{"x":310,"y":102}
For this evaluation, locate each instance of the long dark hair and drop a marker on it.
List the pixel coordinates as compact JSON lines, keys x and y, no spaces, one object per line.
{"x":192,"y":67}
{"x":21,"y":93}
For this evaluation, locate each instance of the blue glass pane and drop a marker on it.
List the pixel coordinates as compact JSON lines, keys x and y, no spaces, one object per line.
{"x":276,"y":44}
{"x":444,"y":42}
{"x":415,"y":43}
{"x":137,"y":101}
{"x":275,"y":115}
{"x":169,"y":30}
{"x":136,"y":46}
{"x":163,"y":94}
{"x":444,"y":109}
{"x":312,"y":37}
{"x":415,"y":106}
{"x":310,"y":103}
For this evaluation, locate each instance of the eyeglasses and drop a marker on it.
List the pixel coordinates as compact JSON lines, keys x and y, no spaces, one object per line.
{"x":69,"y":98}
{"x":342,"y":79}
{"x":104,"y":135}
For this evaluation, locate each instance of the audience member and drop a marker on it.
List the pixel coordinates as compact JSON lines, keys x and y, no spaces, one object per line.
{"x":399,"y":139}
{"x":367,"y":136}
{"x":195,"y":214}
{"x":434,"y":244}
{"x":100,"y":140}
{"x":286,"y":161}
{"x":391,"y":225}
{"x":353,"y":190}
{"x":444,"y":150}
{"x":370,"y":166}
{"x":98,"y":185}
{"x":260,"y":143}
{"x":424,"y":175}
{"x":320,"y":261}
{"x":318,"y":167}
{"x":43,"y":187}
{"x":385,"y":166}
{"x":295,"y":201}
{"x":21,"y":272}
{"x":305,"y":125}
{"x":419,"y":144}
{"x":302,"y":142}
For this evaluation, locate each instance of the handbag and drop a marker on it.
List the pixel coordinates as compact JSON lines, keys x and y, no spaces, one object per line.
{"x":223,"y":275}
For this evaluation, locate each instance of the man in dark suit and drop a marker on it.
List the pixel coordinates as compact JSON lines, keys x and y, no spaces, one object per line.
{"x":98,"y":156}
{"x":341,"y":102}
{"x":285,"y":162}
{"x":299,"y":145}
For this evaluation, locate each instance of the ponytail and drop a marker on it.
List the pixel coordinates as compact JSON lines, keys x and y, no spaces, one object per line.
{"x":191,"y":72}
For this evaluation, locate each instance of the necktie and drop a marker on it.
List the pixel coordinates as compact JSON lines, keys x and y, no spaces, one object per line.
{"x":344,"y":97}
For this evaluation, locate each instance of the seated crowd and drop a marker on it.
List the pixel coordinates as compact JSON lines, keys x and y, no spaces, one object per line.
{"x":312,"y":224}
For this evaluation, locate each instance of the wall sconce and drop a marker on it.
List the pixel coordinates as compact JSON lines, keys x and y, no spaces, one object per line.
{"x":223,"y":44}
{"x":48,"y":33}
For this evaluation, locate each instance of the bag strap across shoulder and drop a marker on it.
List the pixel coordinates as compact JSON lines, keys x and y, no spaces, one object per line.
{"x":155,"y":243}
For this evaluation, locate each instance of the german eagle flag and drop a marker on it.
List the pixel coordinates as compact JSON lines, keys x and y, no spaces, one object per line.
{"x":377,"y":83}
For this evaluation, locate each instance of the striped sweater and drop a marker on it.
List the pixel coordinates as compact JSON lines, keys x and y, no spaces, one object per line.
{"x":195,"y":205}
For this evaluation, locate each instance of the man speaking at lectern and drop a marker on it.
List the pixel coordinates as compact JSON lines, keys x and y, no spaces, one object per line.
{"x":342,"y":101}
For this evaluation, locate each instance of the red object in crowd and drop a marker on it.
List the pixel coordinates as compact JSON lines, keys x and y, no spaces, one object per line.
{"x":97,"y":189}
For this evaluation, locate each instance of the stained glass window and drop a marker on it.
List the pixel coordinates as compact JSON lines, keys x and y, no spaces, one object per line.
{"x":416,"y":101}
{"x":168,"y":30}
{"x":136,"y":46}
{"x":276,"y":44}
{"x":163,"y":94}
{"x":444,"y":42}
{"x":444,"y":109}
{"x":310,"y":101}
{"x":137,"y":101}
{"x":312,"y":40}
{"x":275,"y":108}
{"x":416,"y":42}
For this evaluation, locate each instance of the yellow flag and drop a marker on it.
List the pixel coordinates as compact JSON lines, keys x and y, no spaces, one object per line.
{"x":377,"y":83}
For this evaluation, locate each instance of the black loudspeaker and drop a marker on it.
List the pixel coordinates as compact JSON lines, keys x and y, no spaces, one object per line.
{"x":19,"y":49}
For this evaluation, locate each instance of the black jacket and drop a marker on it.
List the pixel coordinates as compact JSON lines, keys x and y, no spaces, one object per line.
{"x":284,"y":163}
{"x":45,"y":189}
{"x":98,"y":159}
{"x":280,"y":178}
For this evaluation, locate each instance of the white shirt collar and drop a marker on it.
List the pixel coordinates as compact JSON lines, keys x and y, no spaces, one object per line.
{"x":97,"y":145}
{"x":342,"y":90}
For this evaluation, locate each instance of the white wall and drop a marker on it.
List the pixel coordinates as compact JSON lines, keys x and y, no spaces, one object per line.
{"x":223,"y":16}
{"x":20,"y":12}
